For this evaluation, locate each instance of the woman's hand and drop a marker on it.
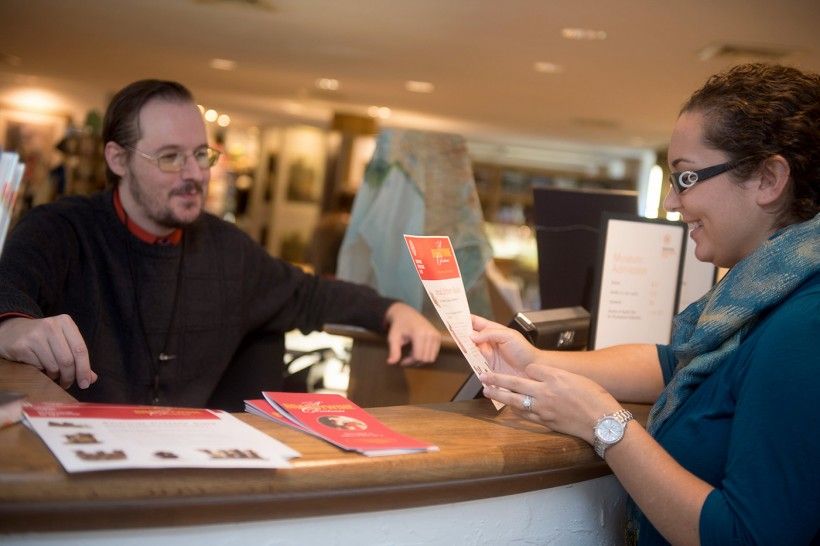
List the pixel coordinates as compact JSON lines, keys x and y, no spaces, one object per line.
{"x":505,"y":349}
{"x":561,"y":401}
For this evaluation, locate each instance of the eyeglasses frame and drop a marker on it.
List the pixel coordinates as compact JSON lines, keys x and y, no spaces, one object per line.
{"x":213,"y":157}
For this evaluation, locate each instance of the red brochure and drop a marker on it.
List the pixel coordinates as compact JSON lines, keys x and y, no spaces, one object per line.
{"x":262,"y":408}
{"x":337,"y":420}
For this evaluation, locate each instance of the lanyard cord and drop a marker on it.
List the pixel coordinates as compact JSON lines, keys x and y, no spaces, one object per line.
{"x":164,"y":354}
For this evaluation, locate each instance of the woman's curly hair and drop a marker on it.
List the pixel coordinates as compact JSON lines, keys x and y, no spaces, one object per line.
{"x":754,"y":111}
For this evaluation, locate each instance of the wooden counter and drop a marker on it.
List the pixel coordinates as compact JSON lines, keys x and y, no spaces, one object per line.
{"x":482,"y":454}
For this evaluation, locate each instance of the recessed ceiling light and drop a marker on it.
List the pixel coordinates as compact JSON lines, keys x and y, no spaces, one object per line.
{"x":223,"y":120}
{"x":223,"y":64}
{"x":737,"y":53}
{"x":419,"y":87}
{"x":548,"y":68}
{"x":381,"y":112}
{"x":328,"y":84}
{"x":211,"y":115}
{"x":583,"y":34}
{"x":34,"y":99}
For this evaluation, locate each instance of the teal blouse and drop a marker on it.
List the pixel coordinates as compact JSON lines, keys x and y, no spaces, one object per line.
{"x":751,"y":431}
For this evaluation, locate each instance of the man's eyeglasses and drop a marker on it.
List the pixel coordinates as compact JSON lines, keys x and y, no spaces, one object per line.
{"x":173,"y":162}
{"x":682,"y":181}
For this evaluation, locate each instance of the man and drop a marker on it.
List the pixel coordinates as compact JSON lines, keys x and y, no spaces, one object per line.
{"x":133,"y":295}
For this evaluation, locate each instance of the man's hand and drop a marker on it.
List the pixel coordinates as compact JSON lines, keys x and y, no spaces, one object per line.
{"x":52,"y":344}
{"x":406,"y":325}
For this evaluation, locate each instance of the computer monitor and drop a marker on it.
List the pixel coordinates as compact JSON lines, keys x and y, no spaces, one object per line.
{"x":568,"y":225}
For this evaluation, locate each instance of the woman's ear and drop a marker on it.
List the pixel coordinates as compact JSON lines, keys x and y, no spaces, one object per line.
{"x":774,"y":180}
{"x":116,"y":157}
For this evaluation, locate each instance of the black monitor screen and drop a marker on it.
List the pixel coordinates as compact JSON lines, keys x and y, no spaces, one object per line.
{"x":567,"y":228}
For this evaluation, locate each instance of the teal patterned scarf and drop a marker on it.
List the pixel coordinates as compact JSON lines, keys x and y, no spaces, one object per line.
{"x":707,"y":332}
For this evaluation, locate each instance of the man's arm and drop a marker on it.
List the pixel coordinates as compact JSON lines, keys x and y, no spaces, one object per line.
{"x":32,"y":269}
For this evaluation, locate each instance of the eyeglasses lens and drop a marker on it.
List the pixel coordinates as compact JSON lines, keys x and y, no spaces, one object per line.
{"x":172,"y":163}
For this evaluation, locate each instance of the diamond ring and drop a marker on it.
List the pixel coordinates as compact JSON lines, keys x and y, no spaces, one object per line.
{"x":527,"y":403}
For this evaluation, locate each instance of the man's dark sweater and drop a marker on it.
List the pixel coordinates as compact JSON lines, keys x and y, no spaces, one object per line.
{"x":235,"y":302}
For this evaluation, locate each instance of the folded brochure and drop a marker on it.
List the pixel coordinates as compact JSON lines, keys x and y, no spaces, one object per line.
{"x":337,"y":420}
{"x":436,"y":264}
{"x":88,"y":437}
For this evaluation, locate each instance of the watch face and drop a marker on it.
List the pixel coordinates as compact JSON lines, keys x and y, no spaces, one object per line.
{"x":609,"y":430}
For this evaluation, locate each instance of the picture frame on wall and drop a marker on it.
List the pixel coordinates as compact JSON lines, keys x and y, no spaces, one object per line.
{"x":303,"y":184}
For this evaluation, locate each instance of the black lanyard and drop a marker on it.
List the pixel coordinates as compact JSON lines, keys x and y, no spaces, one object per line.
{"x":165,"y":354}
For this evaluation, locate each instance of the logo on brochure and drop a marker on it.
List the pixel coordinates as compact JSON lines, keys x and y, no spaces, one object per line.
{"x":311,"y":406}
{"x":342,"y":422}
{"x":316,"y":406}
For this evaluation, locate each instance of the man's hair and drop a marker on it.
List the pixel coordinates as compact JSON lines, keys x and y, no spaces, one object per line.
{"x":754,"y":111}
{"x":121,"y":122}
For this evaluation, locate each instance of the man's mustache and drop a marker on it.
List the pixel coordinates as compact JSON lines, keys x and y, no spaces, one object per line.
{"x":188,"y":188}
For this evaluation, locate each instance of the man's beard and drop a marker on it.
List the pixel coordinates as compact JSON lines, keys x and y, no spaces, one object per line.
{"x":159,"y":212}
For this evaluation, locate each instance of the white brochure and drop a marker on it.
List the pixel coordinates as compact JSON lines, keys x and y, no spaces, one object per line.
{"x":436,"y":264}
{"x":86,"y":437}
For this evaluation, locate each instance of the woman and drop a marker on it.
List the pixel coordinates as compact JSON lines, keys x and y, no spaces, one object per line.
{"x":731,"y":449}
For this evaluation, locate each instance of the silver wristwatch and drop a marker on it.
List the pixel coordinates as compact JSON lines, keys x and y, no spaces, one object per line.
{"x":609,"y":430}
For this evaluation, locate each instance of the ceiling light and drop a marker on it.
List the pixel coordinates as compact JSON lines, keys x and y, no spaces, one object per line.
{"x":223,"y":64}
{"x":419,"y":87}
{"x":328,"y":84}
{"x":223,"y":120}
{"x":381,"y":112}
{"x":738,"y":53}
{"x":34,"y":100}
{"x":211,"y":115}
{"x":548,"y":68}
{"x":583,"y":34}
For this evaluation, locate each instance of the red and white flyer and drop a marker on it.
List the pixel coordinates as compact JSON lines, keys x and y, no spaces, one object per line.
{"x":86,"y":437}
{"x":438,"y":270}
{"x":339,"y":421}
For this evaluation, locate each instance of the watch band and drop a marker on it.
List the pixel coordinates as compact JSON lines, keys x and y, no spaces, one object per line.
{"x":622,"y":416}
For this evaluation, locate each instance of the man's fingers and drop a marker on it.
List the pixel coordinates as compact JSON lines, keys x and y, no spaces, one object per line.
{"x":63,"y":357}
{"x":81,"y":369}
{"x":30,"y":356}
{"x":426,"y":347}
{"x":394,"y":344}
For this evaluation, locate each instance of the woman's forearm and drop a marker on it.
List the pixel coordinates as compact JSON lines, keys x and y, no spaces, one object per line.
{"x":631,"y":373}
{"x":671,"y":497}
